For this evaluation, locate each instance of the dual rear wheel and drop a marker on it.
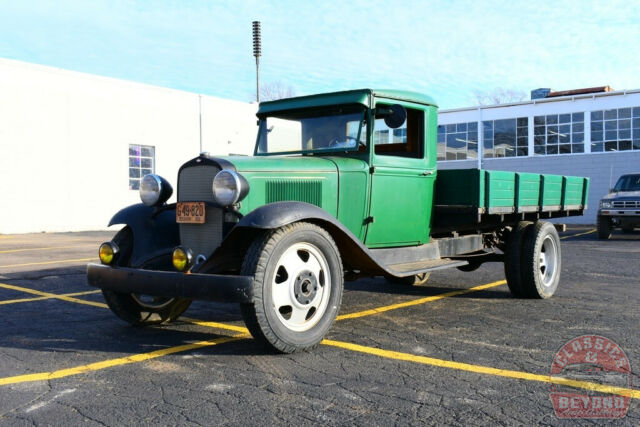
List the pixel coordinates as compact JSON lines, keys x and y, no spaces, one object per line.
{"x":533,"y":260}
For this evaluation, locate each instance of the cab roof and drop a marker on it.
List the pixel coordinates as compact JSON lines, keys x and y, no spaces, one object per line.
{"x":358,"y":96}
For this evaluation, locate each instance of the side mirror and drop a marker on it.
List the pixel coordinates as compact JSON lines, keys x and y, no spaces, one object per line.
{"x":394,"y":115}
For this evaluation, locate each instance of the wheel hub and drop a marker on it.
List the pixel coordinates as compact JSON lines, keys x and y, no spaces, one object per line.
{"x":305,"y":287}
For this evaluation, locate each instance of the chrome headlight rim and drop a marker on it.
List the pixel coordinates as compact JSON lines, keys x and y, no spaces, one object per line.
{"x":240,"y":189}
{"x":153,"y":198}
{"x":606,"y":204}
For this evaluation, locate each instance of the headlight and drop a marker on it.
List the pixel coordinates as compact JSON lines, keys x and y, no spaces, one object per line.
{"x":605,"y":204}
{"x":229,"y":187}
{"x":154,"y":190}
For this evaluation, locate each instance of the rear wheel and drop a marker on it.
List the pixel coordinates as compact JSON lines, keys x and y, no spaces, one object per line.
{"x":136,"y":309}
{"x":298,"y":283}
{"x":604,"y":227}
{"x":415,"y":280}
{"x":541,"y":260}
{"x":512,"y":258}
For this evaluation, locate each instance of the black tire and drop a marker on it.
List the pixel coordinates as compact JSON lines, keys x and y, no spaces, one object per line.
{"x":134,"y":309}
{"x":415,"y":280}
{"x":512,"y":258}
{"x":271,"y":260}
{"x":541,"y":260}
{"x":604,"y":228}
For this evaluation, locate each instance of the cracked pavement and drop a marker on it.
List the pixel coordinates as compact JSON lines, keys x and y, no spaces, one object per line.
{"x":236,"y":383}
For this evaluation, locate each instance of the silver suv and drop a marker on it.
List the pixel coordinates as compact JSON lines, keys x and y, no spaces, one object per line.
{"x":621,"y":207}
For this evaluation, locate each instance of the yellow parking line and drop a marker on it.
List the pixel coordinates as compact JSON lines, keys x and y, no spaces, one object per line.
{"x":479,"y":369}
{"x":62,"y":261}
{"x":579,"y":234}
{"x":50,"y":295}
{"x":136,"y":358}
{"x":459,"y":366}
{"x":389,"y":354}
{"x":43,"y":249}
{"x":74,"y":294}
{"x":419,"y":301}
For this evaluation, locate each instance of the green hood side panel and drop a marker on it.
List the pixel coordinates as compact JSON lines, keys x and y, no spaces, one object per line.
{"x":338,"y":185}
{"x":274,"y":179}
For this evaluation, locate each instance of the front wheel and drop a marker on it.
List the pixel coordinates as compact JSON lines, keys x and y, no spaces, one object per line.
{"x":140,"y":310}
{"x":604,"y":228}
{"x":298,"y":283}
{"x":541,"y":260}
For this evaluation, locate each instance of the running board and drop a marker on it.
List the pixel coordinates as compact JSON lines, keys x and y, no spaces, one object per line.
{"x":417,"y":267}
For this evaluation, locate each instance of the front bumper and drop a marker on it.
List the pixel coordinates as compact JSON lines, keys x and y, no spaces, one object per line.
{"x":209,"y":287}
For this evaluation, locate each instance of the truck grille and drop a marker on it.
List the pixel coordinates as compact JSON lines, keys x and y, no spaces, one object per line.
{"x":629,"y":204}
{"x":194,"y":185}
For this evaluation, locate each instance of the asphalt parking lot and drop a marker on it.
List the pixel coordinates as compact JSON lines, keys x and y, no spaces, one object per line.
{"x":459,"y":351}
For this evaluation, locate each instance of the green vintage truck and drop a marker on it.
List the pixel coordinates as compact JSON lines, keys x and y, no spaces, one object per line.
{"x":341,"y":186}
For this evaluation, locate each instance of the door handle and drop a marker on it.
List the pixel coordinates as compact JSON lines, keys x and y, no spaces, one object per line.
{"x":427,"y":173}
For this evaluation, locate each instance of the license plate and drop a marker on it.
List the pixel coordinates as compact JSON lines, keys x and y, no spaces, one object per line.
{"x":190,"y":212}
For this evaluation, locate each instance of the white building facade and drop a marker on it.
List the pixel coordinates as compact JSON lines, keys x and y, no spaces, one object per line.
{"x":595,"y":135}
{"x":73,"y":146}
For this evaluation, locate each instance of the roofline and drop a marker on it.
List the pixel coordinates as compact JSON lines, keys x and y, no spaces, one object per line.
{"x":544,"y":100}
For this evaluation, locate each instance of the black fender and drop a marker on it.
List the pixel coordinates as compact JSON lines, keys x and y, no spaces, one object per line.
{"x":355,"y":255}
{"x":155,"y":230}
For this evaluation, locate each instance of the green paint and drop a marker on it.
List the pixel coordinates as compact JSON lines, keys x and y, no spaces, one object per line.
{"x":527,"y":189}
{"x":551,"y":191}
{"x":386,"y":199}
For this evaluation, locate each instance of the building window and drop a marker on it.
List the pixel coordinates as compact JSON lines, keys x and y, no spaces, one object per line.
{"x":506,"y":138}
{"x":558,"y":134}
{"x":458,"y":141}
{"x":615,"y":130}
{"x":141,"y":163}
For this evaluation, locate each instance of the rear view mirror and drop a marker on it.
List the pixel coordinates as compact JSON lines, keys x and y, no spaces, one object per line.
{"x":394,"y":115}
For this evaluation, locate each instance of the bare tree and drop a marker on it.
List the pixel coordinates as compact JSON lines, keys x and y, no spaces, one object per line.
{"x":498,"y":96}
{"x":276,"y":90}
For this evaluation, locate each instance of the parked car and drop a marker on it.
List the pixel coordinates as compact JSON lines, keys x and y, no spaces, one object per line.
{"x":621,"y":207}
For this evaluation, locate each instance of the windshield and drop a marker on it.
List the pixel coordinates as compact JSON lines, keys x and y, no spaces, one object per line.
{"x":307,"y":131}
{"x":628,"y":183}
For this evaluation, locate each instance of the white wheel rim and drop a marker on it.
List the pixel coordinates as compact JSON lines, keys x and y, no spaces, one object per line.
{"x":300,"y":287}
{"x":548,"y":261}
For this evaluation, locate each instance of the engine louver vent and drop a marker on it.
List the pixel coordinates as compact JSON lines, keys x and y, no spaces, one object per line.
{"x":300,"y":190}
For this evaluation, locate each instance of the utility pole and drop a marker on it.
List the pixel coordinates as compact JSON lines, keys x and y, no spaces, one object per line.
{"x":257,"y":52}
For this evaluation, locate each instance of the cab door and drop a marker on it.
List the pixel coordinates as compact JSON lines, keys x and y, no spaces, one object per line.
{"x":402,"y":180}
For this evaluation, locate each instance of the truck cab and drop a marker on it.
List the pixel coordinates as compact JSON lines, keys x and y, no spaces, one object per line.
{"x":341,"y":186}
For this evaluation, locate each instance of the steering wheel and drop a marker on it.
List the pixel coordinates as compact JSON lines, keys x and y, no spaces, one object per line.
{"x":348,"y":142}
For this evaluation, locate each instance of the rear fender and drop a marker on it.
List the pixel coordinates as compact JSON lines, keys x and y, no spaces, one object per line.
{"x":155,"y":231}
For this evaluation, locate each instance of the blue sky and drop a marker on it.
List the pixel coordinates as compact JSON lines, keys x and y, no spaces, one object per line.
{"x":448,"y":49}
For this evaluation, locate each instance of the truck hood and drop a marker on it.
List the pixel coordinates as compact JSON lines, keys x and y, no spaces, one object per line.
{"x":273,"y":179}
{"x":282,"y":164}
{"x":622,"y":195}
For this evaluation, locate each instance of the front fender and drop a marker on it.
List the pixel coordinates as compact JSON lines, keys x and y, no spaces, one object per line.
{"x":355,"y":255}
{"x":155,"y":231}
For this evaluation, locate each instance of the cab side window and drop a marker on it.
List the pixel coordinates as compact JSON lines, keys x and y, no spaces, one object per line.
{"x":404,"y":141}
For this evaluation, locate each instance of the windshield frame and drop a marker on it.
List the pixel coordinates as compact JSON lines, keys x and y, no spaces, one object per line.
{"x":624,"y":180}
{"x":362,"y":130}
